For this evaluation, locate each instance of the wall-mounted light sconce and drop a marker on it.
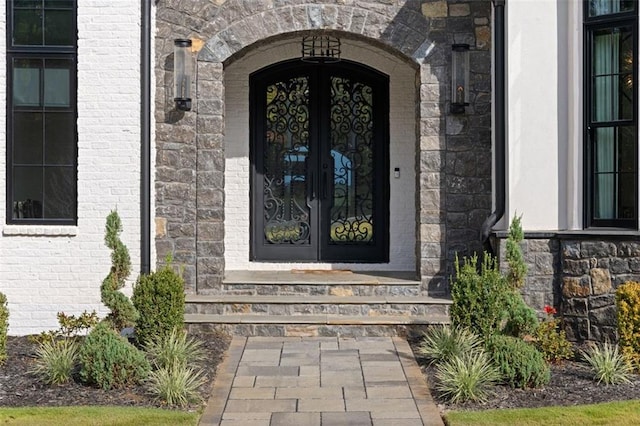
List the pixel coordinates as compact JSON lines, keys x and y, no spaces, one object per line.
{"x":321,"y":49}
{"x":459,"y":78}
{"x":182,"y":73}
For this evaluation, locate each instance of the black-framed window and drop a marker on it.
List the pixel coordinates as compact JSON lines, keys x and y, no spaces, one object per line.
{"x":611,"y":113}
{"x":41,"y":112}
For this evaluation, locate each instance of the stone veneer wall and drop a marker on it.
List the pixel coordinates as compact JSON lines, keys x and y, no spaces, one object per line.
{"x":578,"y":274}
{"x":453,"y":156}
{"x":592,"y":270}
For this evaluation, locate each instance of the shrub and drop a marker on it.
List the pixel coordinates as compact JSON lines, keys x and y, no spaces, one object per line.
{"x":609,"y":366}
{"x":55,"y":361}
{"x":479,"y":296}
{"x":123,"y":314}
{"x":4,"y":327}
{"x":520,"y":364}
{"x":175,"y":384}
{"x":70,"y":326}
{"x":159,"y":298}
{"x":174,"y":349}
{"x":441,"y":343}
{"x":517,"y":266}
{"x":110,"y":361}
{"x":628,"y":304}
{"x":466,"y":377}
{"x":521,"y":319}
{"x":552,"y":341}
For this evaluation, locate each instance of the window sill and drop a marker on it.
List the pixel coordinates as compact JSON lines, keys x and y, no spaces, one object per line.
{"x":39,"y":231}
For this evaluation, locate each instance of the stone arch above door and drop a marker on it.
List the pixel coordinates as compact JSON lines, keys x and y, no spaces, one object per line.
{"x":190,"y":194}
{"x":238,"y":24}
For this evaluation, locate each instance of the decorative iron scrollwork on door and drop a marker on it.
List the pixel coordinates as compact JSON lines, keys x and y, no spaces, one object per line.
{"x":286,"y":213}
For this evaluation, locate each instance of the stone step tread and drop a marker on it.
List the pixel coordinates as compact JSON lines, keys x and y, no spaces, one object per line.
{"x":319,"y":277}
{"x":316,"y":319}
{"x":320,"y":299}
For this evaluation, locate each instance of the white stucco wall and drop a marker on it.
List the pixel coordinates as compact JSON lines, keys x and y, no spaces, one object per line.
{"x":48,"y":269}
{"x":402,"y":154}
{"x":534,"y":174}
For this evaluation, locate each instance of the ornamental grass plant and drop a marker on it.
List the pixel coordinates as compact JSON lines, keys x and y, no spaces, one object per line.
{"x":466,"y":377}
{"x":440,"y":343}
{"x":167,"y":350}
{"x":608,"y":364}
{"x":55,"y":361}
{"x":176,"y":384}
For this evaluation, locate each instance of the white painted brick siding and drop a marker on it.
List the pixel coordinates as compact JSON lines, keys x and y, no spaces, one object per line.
{"x":45,"y":269}
{"x":402,"y":154}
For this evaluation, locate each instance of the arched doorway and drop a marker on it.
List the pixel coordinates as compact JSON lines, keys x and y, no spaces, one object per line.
{"x":319,"y":155}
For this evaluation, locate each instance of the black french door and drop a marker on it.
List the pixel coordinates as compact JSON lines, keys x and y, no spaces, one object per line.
{"x":319,"y":157}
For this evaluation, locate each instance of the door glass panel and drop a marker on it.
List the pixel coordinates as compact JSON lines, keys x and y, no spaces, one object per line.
{"x":351,"y":177}
{"x":286,"y":148}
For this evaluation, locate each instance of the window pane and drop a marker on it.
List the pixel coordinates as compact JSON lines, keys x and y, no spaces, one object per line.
{"x":59,"y":193}
{"x":27,"y":27}
{"x":57,"y":83}
{"x":27,"y":3}
{"x":59,"y":28}
{"x":59,"y":138}
{"x":26,"y":82}
{"x":613,"y":61}
{"x":27,"y":192}
{"x":607,"y":7}
{"x":27,"y":138}
{"x":615,"y":173}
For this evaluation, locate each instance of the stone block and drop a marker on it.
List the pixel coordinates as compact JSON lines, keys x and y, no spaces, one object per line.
{"x":577,"y":306}
{"x":483,"y":37}
{"x":597,"y":249}
{"x":604,"y":316}
{"x":597,"y":302}
{"x":435,"y":9}
{"x":575,"y":287}
{"x":575,"y":267}
{"x":600,"y":280}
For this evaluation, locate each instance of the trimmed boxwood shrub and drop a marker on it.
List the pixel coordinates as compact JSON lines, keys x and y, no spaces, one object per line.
{"x":159,"y":299}
{"x":110,"y":361}
{"x":520,"y":364}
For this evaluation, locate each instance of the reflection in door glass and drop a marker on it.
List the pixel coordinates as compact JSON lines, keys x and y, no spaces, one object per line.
{"x":352,"y":220}
{"x":286,"y":214}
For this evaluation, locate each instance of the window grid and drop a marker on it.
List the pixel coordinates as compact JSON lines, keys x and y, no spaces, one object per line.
{"x":611,"y":110}
{"x":41,"y":112}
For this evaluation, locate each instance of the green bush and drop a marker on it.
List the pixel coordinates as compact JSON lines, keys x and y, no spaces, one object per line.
{"x":159,"y":299}
{"x":467,"y":377}
{"x":176,"y":384}
{"x":521,"y":319}
{"x":628,"y":304}
{"x":608,"y":364}
{"x":520,"y":364}
{"x":55,"y":361}
{"x":515,"y":258}
{"x":110,"y":361}
{"x":123,"y":314}
{"x":4,"y":327}
{"x":479,"y":295}
{"x":176,"y":348}
{"x":441,"y":343}
{"x":551,"y":340}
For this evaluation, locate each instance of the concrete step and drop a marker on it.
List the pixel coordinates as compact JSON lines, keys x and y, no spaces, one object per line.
{"x":316,"y":319}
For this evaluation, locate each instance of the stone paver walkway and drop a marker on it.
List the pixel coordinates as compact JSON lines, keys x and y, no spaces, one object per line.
{"x":320,"y":381}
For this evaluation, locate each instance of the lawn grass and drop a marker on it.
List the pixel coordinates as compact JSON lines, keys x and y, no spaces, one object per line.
{"x":612,"y":413}
{"x":95,"y":416}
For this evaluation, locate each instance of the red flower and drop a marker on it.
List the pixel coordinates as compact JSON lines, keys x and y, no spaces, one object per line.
{"x":550,"y":310}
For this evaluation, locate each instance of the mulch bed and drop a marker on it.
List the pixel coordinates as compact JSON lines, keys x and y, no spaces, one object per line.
{"x":571,"y":384}
{"x":20,"y":388}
